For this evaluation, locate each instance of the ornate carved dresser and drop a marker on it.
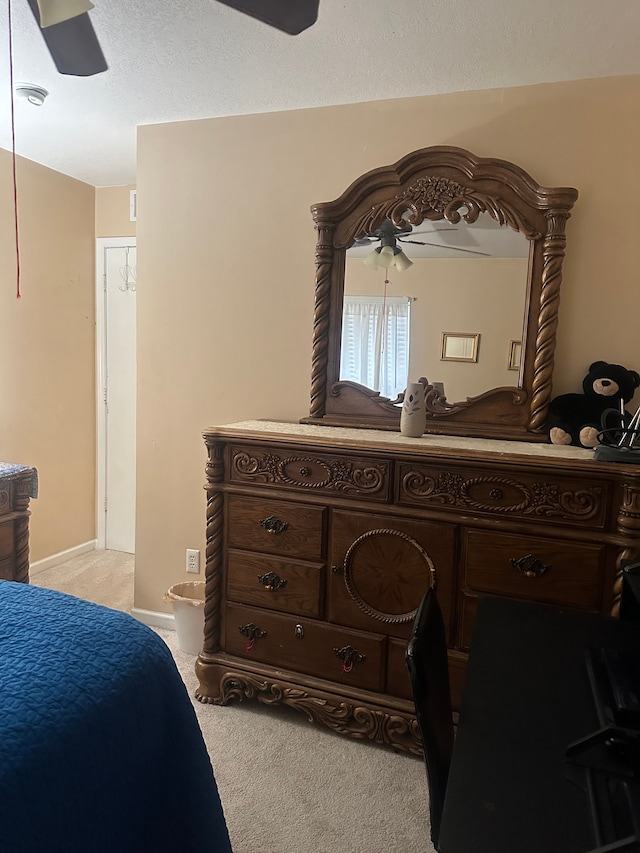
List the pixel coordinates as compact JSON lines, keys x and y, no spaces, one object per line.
{"x":321,"y":541}
{"x":18,"y":483}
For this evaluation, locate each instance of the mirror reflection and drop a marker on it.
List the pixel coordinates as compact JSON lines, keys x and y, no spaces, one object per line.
{"x":470,"y":277}
{"x":459,"y":346}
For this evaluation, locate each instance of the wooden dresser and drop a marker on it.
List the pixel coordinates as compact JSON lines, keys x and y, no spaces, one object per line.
{"x":321,"y":541}
{"x":18,"y":484}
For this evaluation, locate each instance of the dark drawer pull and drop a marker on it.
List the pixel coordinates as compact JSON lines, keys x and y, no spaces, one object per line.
{"x":273,"y":525}
{"x":350,"y":656}
{"x":272,"y":581}
{"x":252,"y":633}
{"x":529,"y":566}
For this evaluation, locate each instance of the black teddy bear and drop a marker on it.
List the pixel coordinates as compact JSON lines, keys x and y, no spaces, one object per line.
{"x":577,"y":418}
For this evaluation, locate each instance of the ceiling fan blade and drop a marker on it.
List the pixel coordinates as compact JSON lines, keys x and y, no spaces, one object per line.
{"x":73,"y":45}
{"x":433,"y":231}
{"x":54,"y":11}
{"x":440,"y":246}
{"x":290,"y":16}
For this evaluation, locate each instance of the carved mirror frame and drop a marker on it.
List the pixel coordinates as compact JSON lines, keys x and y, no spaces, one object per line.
{"x":443,"y":182}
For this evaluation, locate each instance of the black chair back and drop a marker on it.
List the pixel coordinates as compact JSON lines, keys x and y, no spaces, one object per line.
{"x":429,"y":672}
{"x":630,"y":594}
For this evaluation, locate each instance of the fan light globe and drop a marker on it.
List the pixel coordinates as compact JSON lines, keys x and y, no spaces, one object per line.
{"x":386,"y":257}
{"x":372,"y":259}
{"x":403,"y":262}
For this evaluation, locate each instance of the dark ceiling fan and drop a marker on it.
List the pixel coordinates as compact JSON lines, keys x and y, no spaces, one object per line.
{"x":389,"y":234}
{"x":75,"y":49}
{"x":69,"y":36}
{"x":290,"y":16}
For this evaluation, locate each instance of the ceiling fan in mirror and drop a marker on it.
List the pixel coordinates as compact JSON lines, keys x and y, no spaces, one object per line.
{"x":389,"y":253}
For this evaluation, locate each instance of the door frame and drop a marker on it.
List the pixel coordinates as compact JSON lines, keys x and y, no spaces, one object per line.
{"x":103,"y":243}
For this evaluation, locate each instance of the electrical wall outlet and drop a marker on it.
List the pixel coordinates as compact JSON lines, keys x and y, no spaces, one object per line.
{"x":193,"y":561}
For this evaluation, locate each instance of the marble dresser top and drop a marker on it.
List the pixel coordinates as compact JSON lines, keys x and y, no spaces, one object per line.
{"x":441,"y":445}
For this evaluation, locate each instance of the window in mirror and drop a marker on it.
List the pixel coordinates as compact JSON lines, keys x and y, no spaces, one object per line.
{"x":375,"y":342}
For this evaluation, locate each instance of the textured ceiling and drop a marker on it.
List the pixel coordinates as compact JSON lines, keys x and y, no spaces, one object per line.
{"x":172,"y":60}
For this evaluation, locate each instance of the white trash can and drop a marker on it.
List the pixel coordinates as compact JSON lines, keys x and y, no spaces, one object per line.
{"x":188,"y":611}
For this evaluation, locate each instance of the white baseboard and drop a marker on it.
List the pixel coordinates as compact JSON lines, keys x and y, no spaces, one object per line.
{"x":61,"y":557}
{"x":155,"y":619}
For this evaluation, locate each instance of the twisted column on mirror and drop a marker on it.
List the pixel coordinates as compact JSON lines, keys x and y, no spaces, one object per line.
{"x":553,"y":252}
{"x":321,"y":319}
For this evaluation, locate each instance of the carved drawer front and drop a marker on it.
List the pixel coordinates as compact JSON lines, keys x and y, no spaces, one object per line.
{"x":381,"y":566}
{"x":275,"y":527}
{"x":275,"y":583}
{"x":545,"y":570}
{"x":321,"y":473}
{"x":398,"y":681}
{"x":6,"y":497}
{"x":509,"y":495}
{"x":352,"y":658}
{"x":7,"y":540}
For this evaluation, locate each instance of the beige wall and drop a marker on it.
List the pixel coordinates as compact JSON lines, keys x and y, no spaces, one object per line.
{"x":226,"y":261}
{"x":113,"y":212}
{"x":47,"y":350}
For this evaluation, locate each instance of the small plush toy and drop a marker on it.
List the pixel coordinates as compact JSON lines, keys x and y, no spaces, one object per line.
{"x":577,"y":418}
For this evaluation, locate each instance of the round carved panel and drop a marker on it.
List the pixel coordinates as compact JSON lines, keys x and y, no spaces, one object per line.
{"x":387,"y":573}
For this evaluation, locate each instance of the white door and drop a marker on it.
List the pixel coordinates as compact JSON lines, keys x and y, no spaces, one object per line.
{"x":117,"y":403}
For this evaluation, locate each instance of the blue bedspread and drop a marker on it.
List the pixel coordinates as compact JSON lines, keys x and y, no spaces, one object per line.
{"x":100,"y":749}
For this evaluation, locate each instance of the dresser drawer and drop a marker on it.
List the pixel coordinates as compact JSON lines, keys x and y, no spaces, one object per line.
{"x":306,"y":645}
{"x":546,"y":570}
{"x":275,"y":527}
{"x":274,"y":582}
{"x":517,"y":495}
{"x":321,"y":473}
{"x":398,"y":681}
{"x":381,"y":569}
{"x":468,"y":609}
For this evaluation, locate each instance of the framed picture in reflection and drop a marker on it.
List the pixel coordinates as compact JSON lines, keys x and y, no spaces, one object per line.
{"x":515,"y":354}
{"x":459,"y":346}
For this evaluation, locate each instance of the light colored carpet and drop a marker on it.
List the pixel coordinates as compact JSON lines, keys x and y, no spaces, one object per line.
{"x":287,"y":786}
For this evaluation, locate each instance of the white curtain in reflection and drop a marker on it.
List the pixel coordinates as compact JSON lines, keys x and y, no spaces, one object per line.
{"x":375,"y":342}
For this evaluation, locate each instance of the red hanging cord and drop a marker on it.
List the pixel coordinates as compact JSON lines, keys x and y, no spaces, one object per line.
{"x":13,"y":154}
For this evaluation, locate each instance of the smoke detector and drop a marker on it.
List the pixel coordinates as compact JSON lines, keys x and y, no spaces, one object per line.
{"x":34,"y":94}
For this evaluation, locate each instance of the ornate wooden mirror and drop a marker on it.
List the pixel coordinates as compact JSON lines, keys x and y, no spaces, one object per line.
{"x":447,"y":189}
